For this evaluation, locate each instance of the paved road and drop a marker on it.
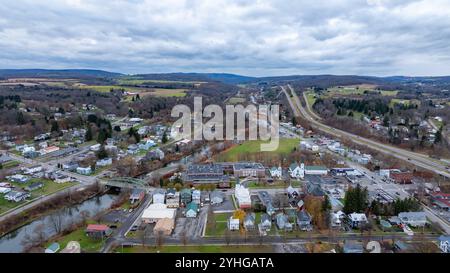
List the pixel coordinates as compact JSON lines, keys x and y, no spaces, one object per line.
{"x":414,"y":158}
{"x":277,"y":239}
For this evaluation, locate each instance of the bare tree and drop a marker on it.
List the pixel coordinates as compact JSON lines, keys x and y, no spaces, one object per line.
{"x":56,"y":221}
{"x":160,"y":239}
{"x":144,"y":235}
{"x":184,"y":238}
{"x":227,"y":237}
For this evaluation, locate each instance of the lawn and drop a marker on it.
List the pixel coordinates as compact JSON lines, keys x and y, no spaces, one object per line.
{"x":404,"y":102}
{"x":311,"y":97}
{"x":199,"y":249}
{"x":87,"y":244}
{"x":275,"y":185}
{"x":10,"y":164}
{"x":286,"y":146}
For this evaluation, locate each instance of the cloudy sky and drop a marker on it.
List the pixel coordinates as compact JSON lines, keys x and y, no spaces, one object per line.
{"x":257,"y":38}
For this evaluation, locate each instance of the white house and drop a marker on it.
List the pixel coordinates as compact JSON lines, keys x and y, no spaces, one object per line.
{"x":84,"y":170}
{"x":104,"y":162}
{"x":233,"y":224}
{"x":62,"y":179}
{"x":357,"y":219}
{"x":337,"y":219}
{"x":196,"y":196}
{"x":158,"y":198}
{"x":276,"y":172}
{"x":242,"y":195}
{"x":17,"y":196}
{"x":147,"y":144}
{"x":33,"y":169}
{"x":297,"y":171}
{"x":4,"y":190}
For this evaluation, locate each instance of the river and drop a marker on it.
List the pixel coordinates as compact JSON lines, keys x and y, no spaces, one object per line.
{"x":13,"y":242}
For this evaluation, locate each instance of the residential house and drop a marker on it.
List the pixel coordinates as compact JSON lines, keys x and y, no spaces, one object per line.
{"x":159,"y":196}
{"x":84,"y":170}
{"x":297,"y":171}
{"x":98,"y":231}
{"x":61,"y":178}
{"x":216,"y":197}
{"x":146,"y":145}
{"x":444,"y":243}
{"x":132,"y":149}
{"x":304,"y":220}
{"x":337,"y":219}
{"x":191,"y":210}
{"x":18,"y":178}
{"x":17,"y":196}
{"x":70,"y":166}
{"x":33,"y":169}
{"x":283,"y":223}
{"x":196,"y":196}
{"x":356,"y":220}
{"x":104,"y":162}
{"x":48,"y":150}
{"x":4,"y":190}
{"x":34,"y":186}
{"x":266,"y":222}
{"x":415,"y":219}
{"x":185,"y":196}
{"x":275,"y":172}
{"x":249,"y":221}
{"x":233,"y":224}
{"x":136,"y":196}
{"x":172,"y":198}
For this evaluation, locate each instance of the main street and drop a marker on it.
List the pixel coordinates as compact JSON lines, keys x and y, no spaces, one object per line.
{"x":411,"y":157}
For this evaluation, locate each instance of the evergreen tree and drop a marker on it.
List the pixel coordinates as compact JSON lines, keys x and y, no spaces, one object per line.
{"x":88,"y":136}
{"x":164,"y":138}
{"x":102,"y":136}
{"x":55,"y":126}
{"x":20,"y":118}
{"x":326,"y":205}
{"x":102,"y":153}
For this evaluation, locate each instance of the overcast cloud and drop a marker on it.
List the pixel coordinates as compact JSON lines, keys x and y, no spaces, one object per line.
{"x":257,"y":38}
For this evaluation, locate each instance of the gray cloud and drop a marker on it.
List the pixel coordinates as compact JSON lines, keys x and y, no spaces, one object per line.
{"x":373,"y":37}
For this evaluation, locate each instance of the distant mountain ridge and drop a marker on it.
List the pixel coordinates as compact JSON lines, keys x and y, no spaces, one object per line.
{"x":57,"y":73}
{"x":227,"y":78}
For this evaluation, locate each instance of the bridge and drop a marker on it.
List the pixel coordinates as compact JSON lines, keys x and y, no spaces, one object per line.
{"x":126,"y":182}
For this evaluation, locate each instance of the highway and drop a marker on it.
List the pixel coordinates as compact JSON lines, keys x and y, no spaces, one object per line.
{"x":411,"y":157}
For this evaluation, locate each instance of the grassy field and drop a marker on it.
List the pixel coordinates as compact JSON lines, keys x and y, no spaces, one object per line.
{"x":358,"y":90}
{"x":404,"y":102}
{"x":107,"y":88}
{"x":311,"y":98}
{"x":87,"y":244}
{"x":275,"y":185}
{"x":10,"y":164}
{"x":199,"y":249}
{"x":286,"y":146}
{"x":162,"y":92}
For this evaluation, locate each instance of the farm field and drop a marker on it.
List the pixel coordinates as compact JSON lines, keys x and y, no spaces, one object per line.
{"x":236,"y":100}
{"x":162,"y":92}
{"x":133,"y":81}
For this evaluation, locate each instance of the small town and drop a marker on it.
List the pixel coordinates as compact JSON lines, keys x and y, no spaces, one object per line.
{"x":243,"y":136}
